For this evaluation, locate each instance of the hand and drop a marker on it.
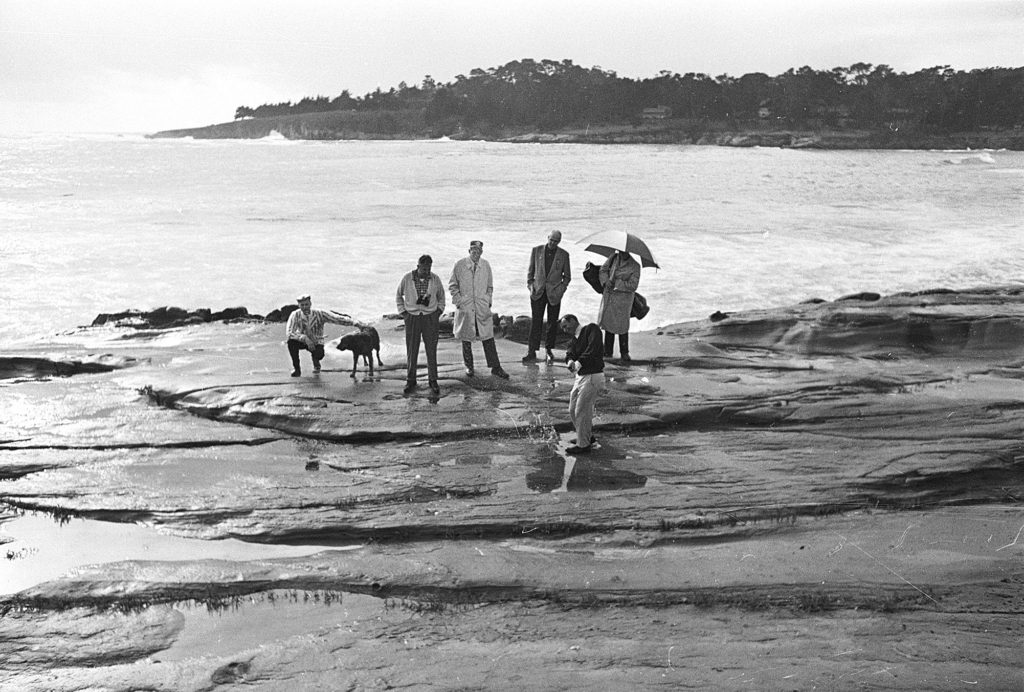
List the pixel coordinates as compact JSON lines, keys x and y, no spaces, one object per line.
{"x":573,"y":365}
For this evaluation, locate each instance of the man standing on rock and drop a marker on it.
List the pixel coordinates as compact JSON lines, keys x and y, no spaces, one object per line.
{"x":420,"y":302}
{"x":305,"y":330}
{"x":585,"y":356}
{"x":620,"y":276}
{"x":472,"y":286}
{"x":547,"y":278}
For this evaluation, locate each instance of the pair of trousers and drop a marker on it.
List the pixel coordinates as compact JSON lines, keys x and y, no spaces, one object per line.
{"x":609,"y":344}
{"x":585,"y":391}
{"x":423,"y":327}
{"x":294,"y":346}
{"x":490,"y":353}
{"x":537,"y":325}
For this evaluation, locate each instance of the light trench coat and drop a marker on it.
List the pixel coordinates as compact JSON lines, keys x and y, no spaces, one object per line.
{"x":471,"y":296}
{"x":620,"y":275}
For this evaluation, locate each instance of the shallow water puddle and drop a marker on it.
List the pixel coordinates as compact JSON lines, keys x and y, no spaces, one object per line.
{"x":555,"y":472}
{"x":44,"y":549}
{"x":257,"y":620}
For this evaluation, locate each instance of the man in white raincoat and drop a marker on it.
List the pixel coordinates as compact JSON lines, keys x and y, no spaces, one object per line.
{"x":620,"y":276}
{"x":471,"y":287}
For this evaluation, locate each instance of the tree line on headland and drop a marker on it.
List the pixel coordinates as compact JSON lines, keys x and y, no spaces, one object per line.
{"x":860,"y":106}
{"x":549,"y":95}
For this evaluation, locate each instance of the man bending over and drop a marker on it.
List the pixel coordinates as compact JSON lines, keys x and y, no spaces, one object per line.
{"x":585,"y":356}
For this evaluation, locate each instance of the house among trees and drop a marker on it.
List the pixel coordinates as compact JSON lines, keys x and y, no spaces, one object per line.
{"x":835,"y":115}
{"x":659,"y":113}
{"x":901,"y":117}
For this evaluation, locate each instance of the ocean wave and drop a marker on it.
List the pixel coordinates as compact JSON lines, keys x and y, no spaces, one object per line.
{"x":981,"y":157}
{"x":275,"y":137}
{"x":279,"y":219}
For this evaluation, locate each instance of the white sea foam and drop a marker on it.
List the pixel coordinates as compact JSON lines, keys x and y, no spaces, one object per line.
{"x":983,"y":157}
{"x":105,"y":224}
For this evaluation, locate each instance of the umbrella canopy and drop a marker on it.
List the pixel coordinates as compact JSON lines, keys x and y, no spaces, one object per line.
{"x":607,"y":242}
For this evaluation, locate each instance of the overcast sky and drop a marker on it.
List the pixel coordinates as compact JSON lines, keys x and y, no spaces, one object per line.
{"x":146,"y":65}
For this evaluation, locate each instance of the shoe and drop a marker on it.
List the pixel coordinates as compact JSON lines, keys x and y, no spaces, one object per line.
{"x":470,"y":373}
{"x":593,"y":441}
{"x":530,"y":357}
{"x":498,"y":372}
{"x":625,"y":358}
{"x":296,"y":373}
{"x":409,"y":389}
{"x":434,"y":388}
{"x":316,"y":368}
{"x":577,"y":450}
{"x":549,"y":358}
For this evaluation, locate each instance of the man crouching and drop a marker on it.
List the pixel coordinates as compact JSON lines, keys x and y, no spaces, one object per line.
{"x":305,"y":330}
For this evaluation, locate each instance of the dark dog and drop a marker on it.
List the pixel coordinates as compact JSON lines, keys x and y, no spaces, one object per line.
{"x":362,"y":343}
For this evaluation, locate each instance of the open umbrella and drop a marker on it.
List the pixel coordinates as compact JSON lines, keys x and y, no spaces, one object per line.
{"x":607,"y":242}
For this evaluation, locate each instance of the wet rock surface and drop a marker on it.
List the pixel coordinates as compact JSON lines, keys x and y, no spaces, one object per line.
{"x":827,"y":494}
{"x":42,"y":367}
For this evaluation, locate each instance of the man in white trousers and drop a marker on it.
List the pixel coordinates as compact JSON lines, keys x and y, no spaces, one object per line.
{"x":585,"y":356}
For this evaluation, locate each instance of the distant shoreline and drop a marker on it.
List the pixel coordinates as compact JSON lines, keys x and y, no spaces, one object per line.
{"x":344,"y":125}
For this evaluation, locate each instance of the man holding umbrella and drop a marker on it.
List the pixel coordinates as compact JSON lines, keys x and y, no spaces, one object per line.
{"x":619,"y":278}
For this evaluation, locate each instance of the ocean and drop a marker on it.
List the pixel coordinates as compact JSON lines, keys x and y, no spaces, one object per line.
{"x":102,"y":223}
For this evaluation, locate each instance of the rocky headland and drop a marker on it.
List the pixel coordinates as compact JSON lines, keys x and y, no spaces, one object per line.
{"x":825,"y":495}
{"x":346,"y":125}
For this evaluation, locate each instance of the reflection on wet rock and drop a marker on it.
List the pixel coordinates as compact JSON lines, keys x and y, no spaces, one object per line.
{"x":587,"y":474}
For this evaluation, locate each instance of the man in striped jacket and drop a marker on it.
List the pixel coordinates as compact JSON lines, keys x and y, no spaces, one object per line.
{"x":305,"y":331}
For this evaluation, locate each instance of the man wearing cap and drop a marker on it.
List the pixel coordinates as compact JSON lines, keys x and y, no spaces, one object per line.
{"x":547,"y":278}
{"x":472,"y":286}
{"x":305,"y":330}
{"x":420,"y":302}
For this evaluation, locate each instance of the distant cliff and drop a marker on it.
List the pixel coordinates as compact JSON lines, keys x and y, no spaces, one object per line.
{"x":411,"y":124}
{"x":403,"y":124}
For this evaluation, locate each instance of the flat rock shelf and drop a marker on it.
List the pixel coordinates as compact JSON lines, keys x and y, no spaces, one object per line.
{"x":826,"y":495}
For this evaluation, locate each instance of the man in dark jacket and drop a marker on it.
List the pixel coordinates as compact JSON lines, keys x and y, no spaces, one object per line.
{"x":420,"y":302}
{"x":547,"y":278}
{"x":585,"y":356}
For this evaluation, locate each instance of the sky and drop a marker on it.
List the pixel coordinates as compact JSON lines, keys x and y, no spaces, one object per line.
{"x":146,"y":65}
